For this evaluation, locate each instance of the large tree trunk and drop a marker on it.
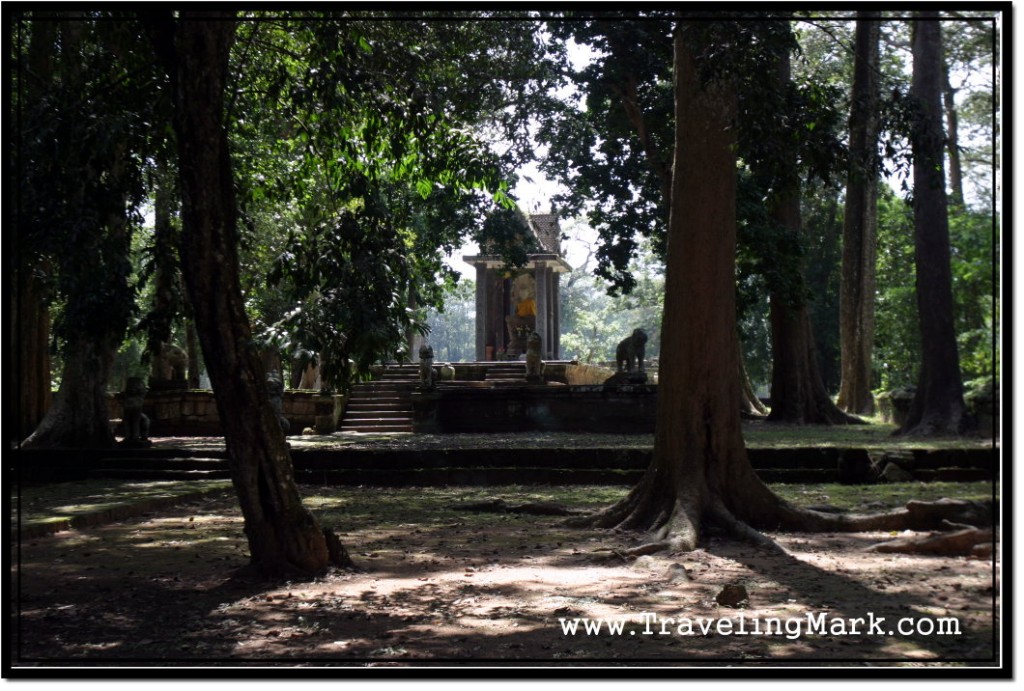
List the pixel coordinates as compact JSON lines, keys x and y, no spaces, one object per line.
{"x":79,"y":417}
{"x":700,"y":473}
{"x":938,"y":405}
{"x":30,"y":344}
{"x":857,"y":288}
{"x":80,"y":414}
{"x":166,"y":304}
{"x":750,"y":405}
{"x":30,"y":338}
{"x":698,"y":422}
{"x":798,"y":392}
{"x":284,"y":537}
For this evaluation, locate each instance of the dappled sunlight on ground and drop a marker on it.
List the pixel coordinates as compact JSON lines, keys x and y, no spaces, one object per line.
{"x":436,"y":583}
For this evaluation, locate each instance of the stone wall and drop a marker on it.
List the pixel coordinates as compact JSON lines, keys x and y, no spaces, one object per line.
{"x":193,"y":412}
{"x":551,"y":408}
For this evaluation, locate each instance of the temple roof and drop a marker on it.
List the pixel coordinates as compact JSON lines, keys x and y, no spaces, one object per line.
{"x":547,"y":231}
{"x":548,"y":234}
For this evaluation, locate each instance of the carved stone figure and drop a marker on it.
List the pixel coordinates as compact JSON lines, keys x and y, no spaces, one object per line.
{"x":629,"y":355}
{"x":275,"y":388}
{"x":428,"y":376}
{"x":136,"y":423}
{"x":534,"y":365}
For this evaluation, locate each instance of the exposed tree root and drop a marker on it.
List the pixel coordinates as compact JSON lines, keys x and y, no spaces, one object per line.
{"x":676,"y":528}
{"x":338,"y":554}
{"x":954,"y":425}
{"x":743,"y":532}
{"x":921,"y":515}
{"x":961,"y":542}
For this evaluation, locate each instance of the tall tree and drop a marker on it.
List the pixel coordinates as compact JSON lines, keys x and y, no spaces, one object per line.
{"x":283,"y":536}
{"x":798,"y":392}
{"x":857,"y":286}
{"x":30,"y":332}
{"x":83,"y":183}
{"x":700,"y":475}
{"x":615,"y":155}
{"x":938,"y":406}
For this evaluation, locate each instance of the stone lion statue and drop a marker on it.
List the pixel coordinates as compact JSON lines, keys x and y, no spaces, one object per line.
{"x":428,"y":376}
{"x":629,"y":355}
{"x":534,"y":365}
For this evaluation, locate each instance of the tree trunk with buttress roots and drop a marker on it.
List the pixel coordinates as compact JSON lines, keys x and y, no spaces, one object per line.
{"x":938,"y":407}
{"x":798,"y":391}
{"x":700,"y":474}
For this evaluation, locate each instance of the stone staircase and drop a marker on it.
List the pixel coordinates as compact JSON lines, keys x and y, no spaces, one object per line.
{"x":507,"y":372}
{"x":383,"y":405}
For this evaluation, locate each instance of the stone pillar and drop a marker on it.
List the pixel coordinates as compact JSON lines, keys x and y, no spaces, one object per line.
{"x":481,"y":310}
{"x":556,"y":318}
{"x":541,"y":280}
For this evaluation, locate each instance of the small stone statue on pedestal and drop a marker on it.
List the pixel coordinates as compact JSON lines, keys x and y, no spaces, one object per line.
{"x":629,"y":356}
{"x":275,"y":388}
{"x":629,"y":359}
{"x":428,"y":377}
{"x":136,"y":423}
{"x":534,"y":365}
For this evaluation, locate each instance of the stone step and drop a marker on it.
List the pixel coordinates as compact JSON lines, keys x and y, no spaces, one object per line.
{"x":378,"y":415}
{"x":381,"y":393}
{"x":375,"y":395}
{"x":375,"y":404}
{"x":159,"y":463}
{"x":370,"y":429}
{"x":384,"y":384}
{"x":159,"y":474}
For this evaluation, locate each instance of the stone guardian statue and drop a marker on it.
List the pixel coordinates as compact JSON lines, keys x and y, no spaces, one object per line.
{"x":136,"y":422}
{"x":428,"y":377}
{"x":534,"y":365}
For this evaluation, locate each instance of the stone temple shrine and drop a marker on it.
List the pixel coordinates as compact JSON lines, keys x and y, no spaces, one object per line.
{"x":511,"y":304}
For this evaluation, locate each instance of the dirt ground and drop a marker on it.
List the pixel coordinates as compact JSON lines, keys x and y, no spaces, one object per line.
{"x":437,"y":585}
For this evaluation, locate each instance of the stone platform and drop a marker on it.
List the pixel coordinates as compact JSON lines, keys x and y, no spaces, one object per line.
{"x":480,"y":459}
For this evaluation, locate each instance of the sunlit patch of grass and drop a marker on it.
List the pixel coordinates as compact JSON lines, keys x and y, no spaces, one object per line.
{"x":55,"y":502}
{"x":875,"y":435}
{"x":881,"y":496}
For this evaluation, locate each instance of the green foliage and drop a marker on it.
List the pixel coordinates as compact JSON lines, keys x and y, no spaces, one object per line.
{"x":452,"y":331}
{"x":973,"y":236}
{"x":823,"y":229}
{"x":594,"y":320}
{"x":897,"y":335}
{"x":360,"y":170}
{"x":506,"y":233}
{"x":897,"y":342}
{"x":84,"y":128}
{"x":613,"y":150}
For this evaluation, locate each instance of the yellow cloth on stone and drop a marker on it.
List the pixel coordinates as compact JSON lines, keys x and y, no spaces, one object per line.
{"x":526,"y":308}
